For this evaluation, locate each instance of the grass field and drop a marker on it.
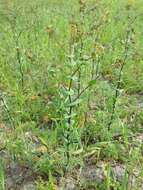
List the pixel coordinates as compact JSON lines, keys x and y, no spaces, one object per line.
{"x":71,"y":95}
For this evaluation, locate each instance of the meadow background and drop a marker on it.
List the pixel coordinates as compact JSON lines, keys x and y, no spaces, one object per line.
{"x":71,"y":94}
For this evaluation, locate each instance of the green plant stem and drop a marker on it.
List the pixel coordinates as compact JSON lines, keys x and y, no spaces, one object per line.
{"x":118,"y":85}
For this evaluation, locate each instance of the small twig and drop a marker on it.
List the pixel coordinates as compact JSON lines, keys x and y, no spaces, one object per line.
{"x":83,"y":91}
{"x":20,"y":66}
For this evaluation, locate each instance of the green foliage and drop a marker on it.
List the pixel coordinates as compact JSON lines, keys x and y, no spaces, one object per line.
{"x":70,"y":80}
{"x":2,"y":177}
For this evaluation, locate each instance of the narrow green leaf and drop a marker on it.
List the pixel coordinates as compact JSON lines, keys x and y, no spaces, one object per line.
{"x":92,"y":82}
